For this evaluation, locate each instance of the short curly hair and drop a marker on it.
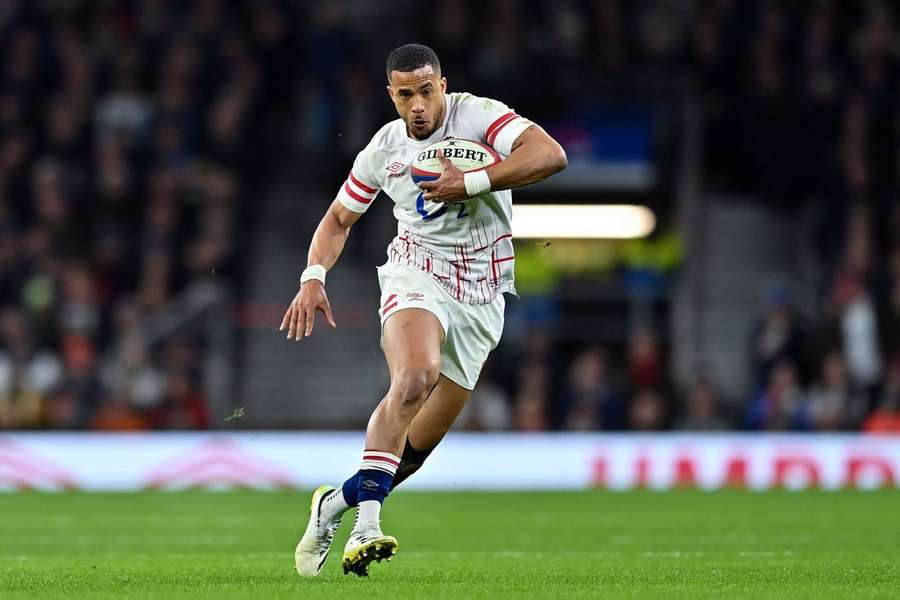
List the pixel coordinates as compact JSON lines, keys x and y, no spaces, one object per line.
{"x":410,"y":57}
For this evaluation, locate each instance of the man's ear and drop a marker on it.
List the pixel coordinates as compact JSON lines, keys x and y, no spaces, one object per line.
{"x":390,"y":91}
{"x":444,"y":84}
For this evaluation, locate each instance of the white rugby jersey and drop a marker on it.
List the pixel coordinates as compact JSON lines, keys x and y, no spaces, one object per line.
{"x":466,"y":246}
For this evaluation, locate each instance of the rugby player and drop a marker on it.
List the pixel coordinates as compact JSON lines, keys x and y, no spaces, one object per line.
{"x":442,"y":286}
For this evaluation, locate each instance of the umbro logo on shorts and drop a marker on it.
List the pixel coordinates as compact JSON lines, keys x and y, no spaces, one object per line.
{"x":415,"y":297}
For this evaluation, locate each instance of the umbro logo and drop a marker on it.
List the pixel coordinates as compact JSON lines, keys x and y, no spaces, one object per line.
{"x":369,"y":485}
{"x":396,"y":169}
{"x":415,"y":297}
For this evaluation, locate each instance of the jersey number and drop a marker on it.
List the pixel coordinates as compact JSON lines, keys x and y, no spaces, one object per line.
{"x":426,"y":216}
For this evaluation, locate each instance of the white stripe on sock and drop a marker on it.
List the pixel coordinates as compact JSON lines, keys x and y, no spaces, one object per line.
{"x":383,"y":461}
{"x":381,"y":466}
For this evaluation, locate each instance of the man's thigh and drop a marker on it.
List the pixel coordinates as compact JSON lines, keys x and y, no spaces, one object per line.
{"x":411,"y":339}
{"x":437,"y":415}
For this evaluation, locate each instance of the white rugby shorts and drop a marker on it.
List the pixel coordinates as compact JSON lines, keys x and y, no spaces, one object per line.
{"x":471,"y":331}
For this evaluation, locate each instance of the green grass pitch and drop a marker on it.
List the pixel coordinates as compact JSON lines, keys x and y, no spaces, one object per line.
{"x":459,"y":545}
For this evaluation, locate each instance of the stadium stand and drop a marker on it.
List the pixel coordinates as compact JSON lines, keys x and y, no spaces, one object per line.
{"x":139,"y":142}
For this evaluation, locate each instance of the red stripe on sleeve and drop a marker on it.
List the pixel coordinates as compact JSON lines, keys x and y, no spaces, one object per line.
{"x":497,"y":122}
{"x":354,"y":195}
{"x":495,"y":126}
{"x":493,"y":134}
{"x":361,"y":185}
{"x":385,"y":310}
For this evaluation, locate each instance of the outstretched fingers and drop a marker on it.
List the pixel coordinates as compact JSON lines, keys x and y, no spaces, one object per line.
{"x":287,"y":318}
{"x":309,"y":321}
{"x":325,"y":307}
{"x":292,"y":328}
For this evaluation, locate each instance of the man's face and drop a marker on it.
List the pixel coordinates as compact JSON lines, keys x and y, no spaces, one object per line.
{"x":419,"y":98}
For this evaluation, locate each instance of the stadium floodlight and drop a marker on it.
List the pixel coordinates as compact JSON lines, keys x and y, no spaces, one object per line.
{"x":584,"y":221}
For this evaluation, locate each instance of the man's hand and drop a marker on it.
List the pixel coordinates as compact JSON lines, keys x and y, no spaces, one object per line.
{"x":449,"y":187}
{"x":301,"y":314}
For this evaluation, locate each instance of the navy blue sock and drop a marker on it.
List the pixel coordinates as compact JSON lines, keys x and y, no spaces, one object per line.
{"x":373,"y":484}
{"x":349,"y":490}
{"x":374,"y":479}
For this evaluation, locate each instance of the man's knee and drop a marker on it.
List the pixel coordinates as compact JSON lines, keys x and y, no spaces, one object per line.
{"x":412,"y":385}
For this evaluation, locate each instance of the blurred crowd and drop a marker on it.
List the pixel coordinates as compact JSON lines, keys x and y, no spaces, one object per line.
{"x":800,"y":104}
{"x":842,"y":373}
{"x":802,"y":107}
{"x":585,"y":388}
{"x":133,"y":132}
{"x":129,"y":137}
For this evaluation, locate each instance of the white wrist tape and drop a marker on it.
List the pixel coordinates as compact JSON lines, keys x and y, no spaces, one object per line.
{"x":313,"y":272}
{"x":477,"y":182}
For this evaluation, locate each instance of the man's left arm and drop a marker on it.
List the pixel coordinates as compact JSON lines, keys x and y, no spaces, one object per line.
{"x":535,"y":156}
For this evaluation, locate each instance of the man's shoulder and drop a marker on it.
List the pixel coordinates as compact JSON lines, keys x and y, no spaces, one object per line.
{"x":469,"y":101}
{"x":390,"y":134}
{"x":375,"y":158}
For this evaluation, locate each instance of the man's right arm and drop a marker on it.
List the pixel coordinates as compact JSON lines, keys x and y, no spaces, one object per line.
{"x":331,"y":235}
{"x":327,"y":243}
{"x":353,"y":199}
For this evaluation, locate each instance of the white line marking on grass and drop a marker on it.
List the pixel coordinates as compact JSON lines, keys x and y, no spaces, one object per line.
{"x":673,"y":554}
{"x":506,"y":554}
{"x":123,"y":541}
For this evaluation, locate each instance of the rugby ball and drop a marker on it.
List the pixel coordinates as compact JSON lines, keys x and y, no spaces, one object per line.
{"x":466,"y":155}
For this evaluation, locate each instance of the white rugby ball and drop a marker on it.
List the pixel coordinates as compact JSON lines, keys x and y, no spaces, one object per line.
{"x":466,"y":155}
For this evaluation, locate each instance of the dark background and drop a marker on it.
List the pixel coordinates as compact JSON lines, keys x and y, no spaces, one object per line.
{"x":140,"y":143}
